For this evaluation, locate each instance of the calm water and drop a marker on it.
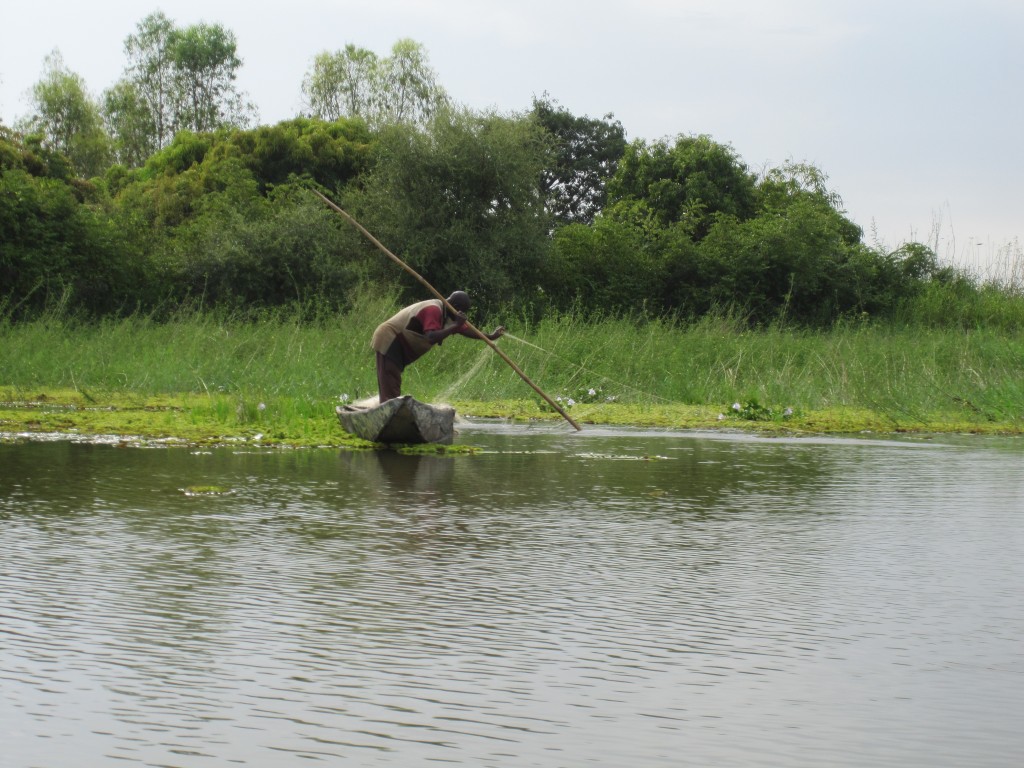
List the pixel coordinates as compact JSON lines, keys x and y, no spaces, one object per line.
{"x":607,"y":598}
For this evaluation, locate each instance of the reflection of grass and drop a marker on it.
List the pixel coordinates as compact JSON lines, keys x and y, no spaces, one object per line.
{"x":277,"y":381}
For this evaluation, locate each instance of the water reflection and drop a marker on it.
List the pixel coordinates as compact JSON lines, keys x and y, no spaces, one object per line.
{"x":609,"y":598}
{"x":395,"y":473}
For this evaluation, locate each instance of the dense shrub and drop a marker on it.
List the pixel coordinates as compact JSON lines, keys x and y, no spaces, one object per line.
{"x":605,"y":267}
{"x":227,"y":220}
{"x":56,"y":245}
{"x":287,"y":250}
{"x":459,"y":202}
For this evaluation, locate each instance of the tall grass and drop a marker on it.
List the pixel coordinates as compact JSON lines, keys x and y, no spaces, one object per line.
{"x":908,"y":372}
{"x":280,"y":353}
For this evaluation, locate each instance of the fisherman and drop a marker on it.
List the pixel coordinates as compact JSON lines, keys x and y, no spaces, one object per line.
{"x":408,"y":335}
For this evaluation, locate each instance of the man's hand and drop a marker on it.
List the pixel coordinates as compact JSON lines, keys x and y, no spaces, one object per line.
{"x":497,"y":333}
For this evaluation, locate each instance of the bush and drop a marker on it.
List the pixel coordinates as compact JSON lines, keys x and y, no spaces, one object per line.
{"x":605,"y":267}
{"x":55,"y":249}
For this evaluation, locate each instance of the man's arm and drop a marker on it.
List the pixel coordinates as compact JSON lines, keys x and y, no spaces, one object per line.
{"x":431,"y":318}
{"x":494,"y":335}
{"x":497,"y":333}
{"x":432,"y":326}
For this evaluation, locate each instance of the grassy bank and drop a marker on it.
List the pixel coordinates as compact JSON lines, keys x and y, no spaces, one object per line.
{"x":203,"y":377}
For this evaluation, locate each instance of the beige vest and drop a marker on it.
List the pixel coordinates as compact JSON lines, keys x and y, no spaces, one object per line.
{"x":398,"y":325}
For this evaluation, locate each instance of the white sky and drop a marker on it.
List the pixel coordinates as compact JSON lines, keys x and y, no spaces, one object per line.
{"x":913,"y":108}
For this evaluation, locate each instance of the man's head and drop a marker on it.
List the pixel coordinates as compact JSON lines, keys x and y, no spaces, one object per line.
{"x":460,"y":300}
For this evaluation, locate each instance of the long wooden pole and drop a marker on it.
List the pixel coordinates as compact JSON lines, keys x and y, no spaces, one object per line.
{"x":452,"y":309}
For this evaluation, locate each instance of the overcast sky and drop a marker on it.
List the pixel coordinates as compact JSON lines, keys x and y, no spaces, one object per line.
{"x":913,"y":108}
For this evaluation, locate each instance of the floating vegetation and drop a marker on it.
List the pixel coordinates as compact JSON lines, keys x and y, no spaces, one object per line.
{"x":434,"y":449}
{"x":581,"y":396}
{"x":621,"y":457}
{"x":206,"y":490}
{"x":752,"y":410}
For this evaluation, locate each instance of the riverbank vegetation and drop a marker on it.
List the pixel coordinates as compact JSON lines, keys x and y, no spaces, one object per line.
{"x":155,"y":243}
{"x":200,"y":376}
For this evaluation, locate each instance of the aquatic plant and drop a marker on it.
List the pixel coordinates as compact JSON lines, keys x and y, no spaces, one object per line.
{"x":207,"y":375}
{"x":752,"y":410}
{"x":205,"y":490}
{"x":580,"y":396}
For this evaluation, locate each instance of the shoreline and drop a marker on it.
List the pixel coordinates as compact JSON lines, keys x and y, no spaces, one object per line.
{"x":127,"y":419}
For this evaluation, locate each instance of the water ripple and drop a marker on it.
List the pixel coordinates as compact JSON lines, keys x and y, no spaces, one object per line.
{"x":552,"y":602}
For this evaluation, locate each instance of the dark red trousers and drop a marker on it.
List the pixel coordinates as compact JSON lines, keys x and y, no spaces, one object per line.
{"x":389,"y":378}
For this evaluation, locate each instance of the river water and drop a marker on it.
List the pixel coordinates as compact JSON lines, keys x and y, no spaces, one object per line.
{"x":609,"y":598}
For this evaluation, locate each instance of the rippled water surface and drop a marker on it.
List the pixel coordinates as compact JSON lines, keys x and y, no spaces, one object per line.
{"x":607,"y":598}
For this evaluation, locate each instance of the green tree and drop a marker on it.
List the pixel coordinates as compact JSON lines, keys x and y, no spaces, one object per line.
{"x":607,"y":267}
{"x":689,"y":182}
{"x":59,"y":245}
{"x":780,"y":187}
{"x":131,"y":123}
{"x":793,"y":266}
{"x":355,"y":82}
{"x":176,"y":79}
{"x":331,"y":153}
{"x":460,"y":200}
{"x":205,"y":66}
{"x":245,"y":253}
{"x":407,"y":87}
{"x":150,"y":76}
{"x":340,"y":84}
{"x":227,"y":216}
{"x":68,"y":118}
{"x":587,"y":153}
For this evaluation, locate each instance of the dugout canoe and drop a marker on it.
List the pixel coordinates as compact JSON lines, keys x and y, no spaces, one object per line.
{"x":403,"y":420}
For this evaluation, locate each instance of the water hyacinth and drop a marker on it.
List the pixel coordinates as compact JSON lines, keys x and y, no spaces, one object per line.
{"x":752,"y":410}
{"x":584,"y":395}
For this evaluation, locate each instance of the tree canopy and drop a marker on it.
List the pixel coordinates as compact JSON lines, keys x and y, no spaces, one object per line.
{"x":586,"y":155}
{"x":541,"y":209}
{"x":68,"y":119}
{"x":688,"y":182}
{"x":459,"y":199}
{"x":176,"y":79}
{"x":355,"y":82}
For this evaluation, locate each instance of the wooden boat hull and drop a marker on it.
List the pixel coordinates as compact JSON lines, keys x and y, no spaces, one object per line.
{"x":403,"y":420}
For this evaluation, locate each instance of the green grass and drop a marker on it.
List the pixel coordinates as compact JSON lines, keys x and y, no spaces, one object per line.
{"x":907,"y":376}
{"x":206,"y":377}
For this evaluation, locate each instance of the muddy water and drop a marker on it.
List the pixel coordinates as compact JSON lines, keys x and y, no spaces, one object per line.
{"x":607,"y":598}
